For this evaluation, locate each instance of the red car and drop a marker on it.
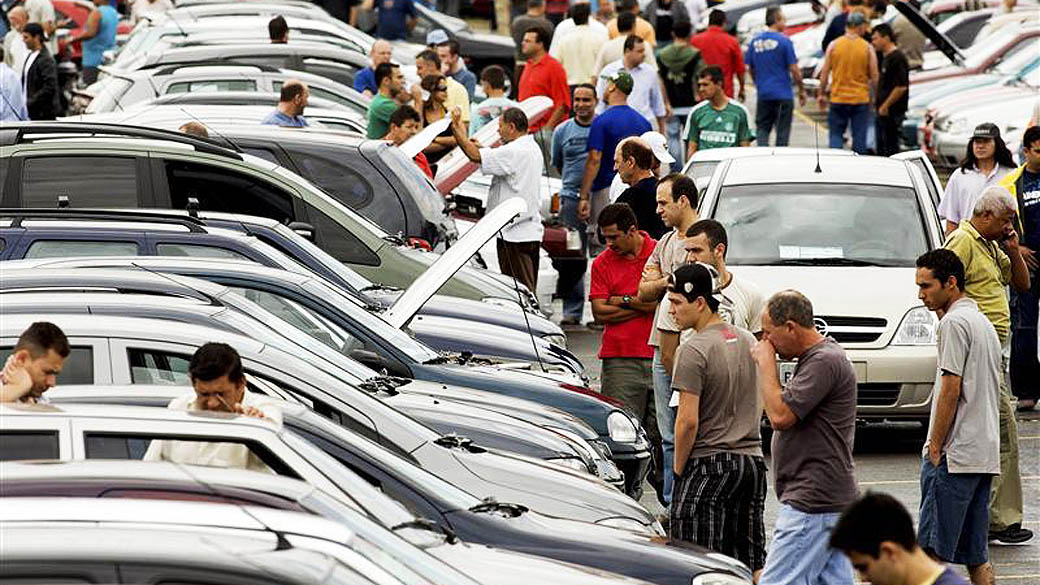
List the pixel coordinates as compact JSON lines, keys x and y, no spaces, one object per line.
{"x":71,"y":16}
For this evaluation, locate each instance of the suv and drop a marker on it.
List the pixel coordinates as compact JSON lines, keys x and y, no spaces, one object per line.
{"x":848,"y":237}
{"x":103,"y":165}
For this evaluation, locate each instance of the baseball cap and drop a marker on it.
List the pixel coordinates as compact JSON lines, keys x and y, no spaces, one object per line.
{"x":621,"y":80}
{"x":659,"y":144}
{"x":986,"y":130}
{"x":693,"y":280}
{"x":436,"y":36}
{"x":856,"y":19}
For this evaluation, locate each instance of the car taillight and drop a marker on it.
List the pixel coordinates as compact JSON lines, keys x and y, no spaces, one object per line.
{"x":593,"y":393}
{"x":420,"y":244}
{"x":554,"y":204}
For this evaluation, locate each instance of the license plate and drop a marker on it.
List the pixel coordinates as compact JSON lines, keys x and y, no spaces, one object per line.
{"x":573,"y":240}
{"x":787,"y":372}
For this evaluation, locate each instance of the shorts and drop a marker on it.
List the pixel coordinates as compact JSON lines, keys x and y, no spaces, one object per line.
{"x":719,"y":503}
{"x":954,"y":516}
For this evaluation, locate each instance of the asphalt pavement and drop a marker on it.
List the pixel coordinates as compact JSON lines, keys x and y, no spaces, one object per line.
{"x":887,"y":457}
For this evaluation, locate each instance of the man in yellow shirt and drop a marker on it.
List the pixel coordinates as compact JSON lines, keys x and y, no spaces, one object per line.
{"x":642,"y":29}
{"x":988,"y":246}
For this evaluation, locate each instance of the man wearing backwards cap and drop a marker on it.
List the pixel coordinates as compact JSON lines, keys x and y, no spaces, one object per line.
{"x":719,"y":493}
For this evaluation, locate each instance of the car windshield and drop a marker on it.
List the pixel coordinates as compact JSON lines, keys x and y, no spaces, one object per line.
{"x":822,"y":224}
{"x":983,"y":48}
{"x":701,"y":171}
{"x":341,"y":270}
{"x":418,"y":184}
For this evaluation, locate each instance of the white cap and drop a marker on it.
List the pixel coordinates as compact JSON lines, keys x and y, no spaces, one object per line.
{"x":436,"y":36}
{"x":659,"y":144}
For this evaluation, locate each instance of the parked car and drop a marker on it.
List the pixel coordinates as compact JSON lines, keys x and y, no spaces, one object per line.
{"x":104,"y":165}
{"x":860,"y":221}
{"x":953,"y":127}
{"x":557,"y":539}
{"x":170,"y":112}
{"x":985,"y":53}
{"x":701,"y":166}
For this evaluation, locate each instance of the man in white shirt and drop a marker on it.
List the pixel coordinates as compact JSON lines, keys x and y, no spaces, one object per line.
{"x":15,"y":50}
{"x":577,"y":52}
{"x":515,"y":168}
{"x":42,"y":11}
{"x":568,"y":25}
{"x":220,"y":386}
{"x":646,"y":96}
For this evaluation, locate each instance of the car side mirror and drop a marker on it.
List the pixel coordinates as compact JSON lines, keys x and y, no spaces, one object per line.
{"x":304,"y":229}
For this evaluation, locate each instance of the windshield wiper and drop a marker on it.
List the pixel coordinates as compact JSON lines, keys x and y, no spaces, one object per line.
{"x":453,"y":441}
{"x":825,"y":262}
{"x":385,"y":384}
{"x":490,"y":504}
{"x":429,"y":525}
{"x":380,"y":286}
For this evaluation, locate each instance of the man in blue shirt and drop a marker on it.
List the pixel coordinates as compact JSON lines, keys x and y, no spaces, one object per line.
{"x":291,"y":102}
{"x":771,"y":60}
{"x":365,"y":80}
{"x":569,"y":151}
{"x":618,"y":121}
{"x":453,"y":67}
{"x":12,"y":102}
{"x":395,"y":18}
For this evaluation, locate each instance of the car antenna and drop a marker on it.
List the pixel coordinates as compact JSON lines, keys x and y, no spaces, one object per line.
{"x":209,"y":129}
{"x":527,"y":319}
{"x":816,"y":131}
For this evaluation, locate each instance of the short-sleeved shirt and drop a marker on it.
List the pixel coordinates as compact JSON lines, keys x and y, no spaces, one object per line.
{"x":457,"y":96}
{"x":1030,"y":212}
{"x":615,"y":275}
{"x":546,"y":77}
{"x":948,"y":577}
{"x":716,"y":364}
{"x":379,"y":111}
{"x":645,"y":98}
{"x":366,"y":79}
{"x":770,"y":56}
{"x":466,"y":79}
{"x":969,"y":348}
{"x":895,"y":72}
{"x":721,"y":49}
{"x":577,"y":53}
{"x":570,"y":149}
{"x":487,"y":110}
{"x":392,"y":14}
{"x":515,"y":169}
{"x":42,"y":11}
{"x":987,"y":272}
{"x":567,"y":26}
{"x":963,"y":189}
{"x":612,"y":126}
{"x":277,"y":118}
{"x":642,"y":29}
{"x":669,"y":254}
{"x":642,"y":198}
{"x":711,"y":128}
{"x":812,"y":460}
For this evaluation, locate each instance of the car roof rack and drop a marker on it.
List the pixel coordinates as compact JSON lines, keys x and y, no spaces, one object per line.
{"x":17,"y":132}
{"x":19,"y":215}
{"x":164,"y":69}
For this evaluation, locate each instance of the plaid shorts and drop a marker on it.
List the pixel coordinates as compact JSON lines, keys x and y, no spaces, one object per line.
{"x":719,"y":503}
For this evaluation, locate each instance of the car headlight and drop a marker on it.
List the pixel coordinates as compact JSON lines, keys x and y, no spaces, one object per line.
{"x":572,"y":463}
{"x":718,"y":579}
{"x":917,"y":328}
{"x":620,"y":427}
{"x":630,"y":524}
{"x":560,"y":340}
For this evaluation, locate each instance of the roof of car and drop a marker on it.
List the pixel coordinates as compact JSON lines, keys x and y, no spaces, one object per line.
{"x":172,"y":116}
{"x":834,"y":169}
{"x":122,"y":411}
{"x":189,"y":54}
{"x":717,"y":154}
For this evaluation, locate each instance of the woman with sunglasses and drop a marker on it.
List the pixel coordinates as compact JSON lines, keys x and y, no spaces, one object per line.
{"x":434,"y":109}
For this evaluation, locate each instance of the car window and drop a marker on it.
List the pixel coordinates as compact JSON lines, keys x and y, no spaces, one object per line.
{"x":264,"y":153}
{"x":340,"y":72}
{"x":933,"y":191}
{"x":338,"y":242}
{"x":198,"y":251}
{"x":88,"y":181}
{"x":193,"y":449}
{"x":3,"y":174}
{"x":20,"y":445}
{"x":224,"y":190}
{"x":78,"y":367}
{"x":825,"y":223}
{"x":303,"y":319}
{"x":332,"y":97}
{"x":331,"y":171}
{"x":701,"y":172}
{"x":212,"y":85}
{"x":158,"y":367}
{"x":79,"y":248}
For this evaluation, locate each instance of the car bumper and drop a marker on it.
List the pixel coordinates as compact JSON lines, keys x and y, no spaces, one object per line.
{"x":893,"y":383}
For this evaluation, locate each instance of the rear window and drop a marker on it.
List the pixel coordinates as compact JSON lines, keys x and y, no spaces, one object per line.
{"x":88,"y":181}
{"x":212,"y":85}
{"x":78,"y":368}
{"x":20,"y":445}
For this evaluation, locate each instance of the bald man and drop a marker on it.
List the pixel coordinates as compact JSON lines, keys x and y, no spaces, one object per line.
{"x":365,"y":80}
{"x":14,"y":47}
{"x":291,"y":103}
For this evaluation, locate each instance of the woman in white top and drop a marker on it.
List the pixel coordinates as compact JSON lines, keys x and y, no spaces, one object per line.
{"x":146,"y":8}
{"x":987,"y":161}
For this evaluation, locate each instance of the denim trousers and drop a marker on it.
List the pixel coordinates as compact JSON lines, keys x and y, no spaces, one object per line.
{"x":770,"y":114}
{"x":800,"y":553}
{"x":676,"y":144}
{"x":665,"y":420}
{"x":842,"y":116}
{"x":572,"y":284}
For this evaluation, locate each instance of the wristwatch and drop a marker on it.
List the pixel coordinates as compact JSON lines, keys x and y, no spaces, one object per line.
{"x":626,"y":302}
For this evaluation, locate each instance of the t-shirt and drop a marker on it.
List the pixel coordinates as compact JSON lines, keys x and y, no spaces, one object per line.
{"x":969,"y":348}
{"x":609,"y":128}
{"x":569,"y":150}
{"x":716,"y":364}
{"x":740,"y":304}
{"x":546,"y":77}
{"x":812,"y":460}
{"x":577,"y":53}
{"x":721,"y":49}
{"x":487,"y":110}
{"x":642,"y":198}
{"x":1029,"y":200}
{"x":642,"y":29}
{"x":947,"y":577}
{"x":277,"y":118}
{"x":614,"y":275}
{"x":678,"y":67}
{"x":711,"y":128}
{"x":895,"y":72}
{"x":379,"y":112}
{"x":366,"y":79}
{"x":515,"y":169}
{"x":770,"y":56}
{"x":42,"y":11}
{"x":392,"y":14}
{"x":669,"y":254}
{"x":457,"y":96}
{"x":987,"y":272}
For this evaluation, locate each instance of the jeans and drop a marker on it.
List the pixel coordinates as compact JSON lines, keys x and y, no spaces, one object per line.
{"x":954,"y":517}
{"x":841,"y":116}
{"x":888,"y":130}
{"x":665,"y":420}
{"x":801,"y":554}
{"x":1025,"y":367}
{"x":572,"y":279}
{"x":676,"y":147}
{"x":774,"y":112}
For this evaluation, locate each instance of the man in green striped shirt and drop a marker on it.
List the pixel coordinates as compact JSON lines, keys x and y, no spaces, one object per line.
{"x":717,"y":121}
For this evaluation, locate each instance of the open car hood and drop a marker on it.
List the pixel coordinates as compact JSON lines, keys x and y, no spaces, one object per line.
{"x":408,"y":304}
{"x":940,"y":40}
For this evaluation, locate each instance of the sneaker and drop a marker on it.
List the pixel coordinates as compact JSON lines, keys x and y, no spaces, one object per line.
{"x":1013,"y":534}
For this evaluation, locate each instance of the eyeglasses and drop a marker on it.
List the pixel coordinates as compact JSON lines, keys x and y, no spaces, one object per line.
{"x":441,"y":88}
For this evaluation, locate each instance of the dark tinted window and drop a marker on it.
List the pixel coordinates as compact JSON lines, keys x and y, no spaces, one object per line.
{"x":263,"y":153}
{"x":220,"y":189}
{"x":158,"y":367}
{"x":337,"y":172}
{"x":89,"y":181}
{"x":340,"y":72}
{"x":78,"y":368}
{"x":17,"y":445}
{"x":338,"y":242}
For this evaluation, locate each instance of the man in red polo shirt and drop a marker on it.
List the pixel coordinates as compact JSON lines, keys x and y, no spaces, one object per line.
{"x":721,"y":49}
{"x":627,"y":321}
{"x":543,"y":75}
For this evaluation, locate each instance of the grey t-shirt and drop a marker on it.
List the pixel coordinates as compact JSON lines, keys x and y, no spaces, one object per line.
{"x":668,"y":254}
{"x":812,"y":460}
{"x":716,"y":364}
{"x":969,"y":348}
